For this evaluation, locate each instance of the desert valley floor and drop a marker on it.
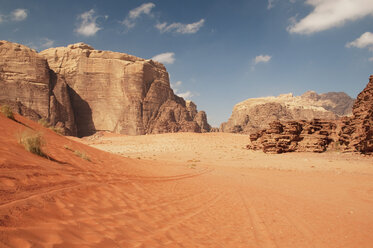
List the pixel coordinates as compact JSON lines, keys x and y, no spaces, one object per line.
{"x":179,"y":190}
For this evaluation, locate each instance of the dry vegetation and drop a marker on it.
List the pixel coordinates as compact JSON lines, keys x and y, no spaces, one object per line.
{"x":32,"y":141}
{"x":45,"y":123}
{"x":7,"y":111}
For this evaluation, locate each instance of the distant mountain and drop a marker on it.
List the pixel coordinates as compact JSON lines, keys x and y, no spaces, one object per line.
{"x":254,"y":114}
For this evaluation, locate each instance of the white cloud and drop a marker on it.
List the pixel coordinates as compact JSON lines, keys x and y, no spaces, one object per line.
{"x":176,"y":88}
{"x":176,"y":85}
{"x":88,"y":25}
{"x":46,"y":43}
{"x":143,"y":9}
{"x":165,"y":58}
{"x":18,"y":15}
{"x":365,"y":40}
{"x":186,"y":95}
{"x":262,"y":59}
{"x":271,"y":4}
{"x":371,"y":59}
{"x":41,"y":44}
{"x":180,"y":27}
{"x":331,"y":13}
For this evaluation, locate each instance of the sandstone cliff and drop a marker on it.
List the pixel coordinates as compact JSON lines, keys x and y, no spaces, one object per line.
{"x":290,"y":136}
{"x":350,"y":134}
{"x":256,"y":113}
{"x":84,"y":90}
{"x":24,"y":77}
{"x":357,"y":132}
{"x":31,"y":88}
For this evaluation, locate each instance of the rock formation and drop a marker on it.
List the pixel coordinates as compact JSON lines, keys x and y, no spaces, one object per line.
{"x":30,"y":87}
{"x":302,"y":136}
{"x":24,"y":77}
{"x":199,"y":117}
{"x":350,"y":134}
{"x":256,"y":113}
{"x":357,"y":132}
{"x":85,"y":90}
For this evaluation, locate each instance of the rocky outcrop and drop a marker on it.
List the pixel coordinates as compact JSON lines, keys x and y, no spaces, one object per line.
{"x":199,"y":117}
{"x":357,"y":132}
{"x":61,"y":111}
{"x":83,"y":90}
{"x":30,"y":88}
{"x":256,"y":113}
{"x":201,"y":120}
{"x":119,"y":92}
{"x":24,"y":77}
{"x":192,"y":108}
{"x":349,"y":134}
{"x":290,"y":136}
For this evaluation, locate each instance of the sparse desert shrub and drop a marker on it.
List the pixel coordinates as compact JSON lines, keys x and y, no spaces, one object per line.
{"x":7,"y":111}
{"x":57,"y":130}
{"x":32,"y":141}
{"x":82,"y":155}
{"x":44,"y":122}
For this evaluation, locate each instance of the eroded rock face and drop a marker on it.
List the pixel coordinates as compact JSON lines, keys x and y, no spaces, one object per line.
{"x":349,"y":134}
{"x":61,"y":111}
{"x":83,"y":90}
{"x":256,"y":113}
{"x":118,"y":92}
{"x":31,"y":89}
{"x":357,"y":132}
{"x":290,"y":136}
{"x":24,"y":77}
{"x":201,"y":120}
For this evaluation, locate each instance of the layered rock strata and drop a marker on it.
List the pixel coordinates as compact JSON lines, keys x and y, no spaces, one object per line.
{"x":356,"y":133}
{"x":350,"y":134}
{"x":31,"y":89}
{"x":84,"y":90}
{"x":302,"y":136}
{"x":256,"y":113}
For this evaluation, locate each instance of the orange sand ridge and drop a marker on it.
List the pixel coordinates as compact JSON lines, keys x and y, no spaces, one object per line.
{"x":179,"y":190}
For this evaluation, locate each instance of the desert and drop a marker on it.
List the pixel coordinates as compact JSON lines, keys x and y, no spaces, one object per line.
{"x":179,"y":190}
{"x":186,"y":124}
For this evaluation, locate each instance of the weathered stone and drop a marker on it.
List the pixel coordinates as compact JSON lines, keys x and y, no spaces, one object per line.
{"x":118,"y":92}
{"x":255,"y":114}
{"x":61,"y":111}
{"x":192,"y":108}
{"x":306,"y":136}
{"x":173,"y":117}
{"x":201,"y":119}
{"x":24,"y":77}
{"x":357,"y":132}
{"x":349,"y":134}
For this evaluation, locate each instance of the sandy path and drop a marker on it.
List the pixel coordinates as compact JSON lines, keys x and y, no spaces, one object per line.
{"x":113,"y":201}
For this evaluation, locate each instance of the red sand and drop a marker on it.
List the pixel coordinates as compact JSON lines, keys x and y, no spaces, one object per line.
{"x":114,"y":201}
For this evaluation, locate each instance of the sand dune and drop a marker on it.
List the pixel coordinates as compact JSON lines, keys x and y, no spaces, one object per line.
{"x":179,"y":190}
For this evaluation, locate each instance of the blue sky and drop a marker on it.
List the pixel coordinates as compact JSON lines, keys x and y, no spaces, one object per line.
{"x":217,"y":52}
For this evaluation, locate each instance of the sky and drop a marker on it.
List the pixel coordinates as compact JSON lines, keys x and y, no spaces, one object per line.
{"x":217,"y":52}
